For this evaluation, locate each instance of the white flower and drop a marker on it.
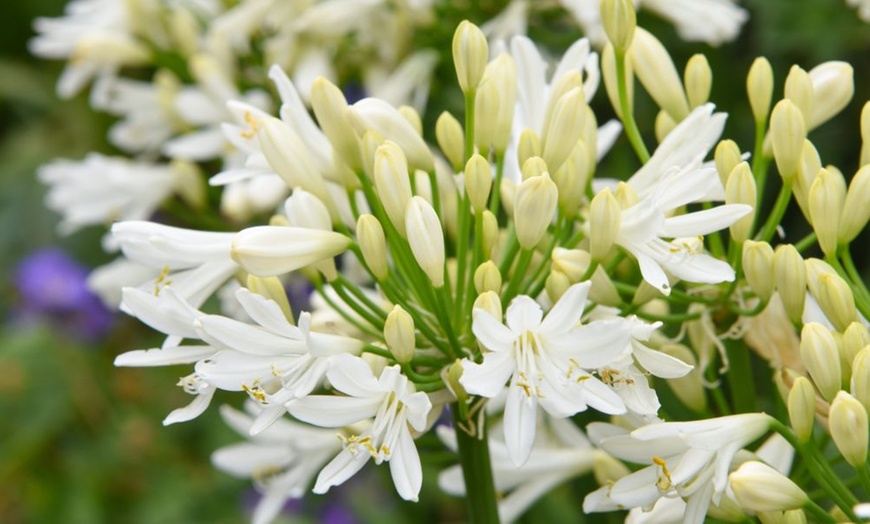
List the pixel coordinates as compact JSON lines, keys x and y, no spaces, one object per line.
{"x":547,"y":361}
{"x":282,"y":460}
{"x":395,"y":406}
{"x":690,"y":460}
{"x":863,"y":7}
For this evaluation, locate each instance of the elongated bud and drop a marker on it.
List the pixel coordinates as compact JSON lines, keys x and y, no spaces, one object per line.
{"x":833,"y":87}
{"x":625,"y":195}
{"x":399,"y":334}
{"x":556,"y":285}
{"x":856,"y":210}
{"x":861,"y":376}
{"x":799,"y":89}
{"x":503,"y":73}
{"x":608,"y":74}
{"x":759,"y":487}
{"x":393,"y":183}
{"x":865,"y":135}
{"x":534,"y":166}
{"x":508,"y":191}
{"x":530,"y":146}
{"x":809,"y":166}
{"x":836,"y":300}
{"x":185,"y":31}
{"x":605,"y":217}
{"x":664,"y":124}
{"x":487,"y":277}
{"x":489,"y":302}
{"x":758,"y":267}
{"x":848,"y":424}
{"x":412,"y":117}
{"x":454,"y":373}
{"x":565,"y":128}
{"x":426,"y":239}
{"x":655,"y":70}
{"x":802,"y":408}
{"x":305,"y":210}
{"x":787,"y":133}
{"x":572,"y":178}
{"x":451,"y":139}
{"x":187,"y":181}
{"x":490,"y":232}
{"x":470,"y":53}
{"x":536,"y":201}
{"x":373,"y":245}
{"x":273,"y":289}
{"x":791,"y":280}
{"x":688,"y":388}
{"x":855,"y":337}
{"x":274,"y":250}
{"x":726,"y":157}
{"x":826,"y":199}
{"x":478,"y":182}
{"x":620,"y":21}
{"x":698,"y":78}
{"x":486,"y":115}
{"x":759,"y":87}
{"x":332,"y":112}
{"x":821,"y":356}
{"x":740,"y":189}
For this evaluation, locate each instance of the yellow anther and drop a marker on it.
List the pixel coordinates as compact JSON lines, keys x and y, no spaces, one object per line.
{"x":252,"y":124}
{"x":255,"y":392}
{"x":162,"y":280}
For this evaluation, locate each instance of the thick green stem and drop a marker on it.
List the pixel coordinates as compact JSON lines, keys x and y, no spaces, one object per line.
{"x":776,"y":213}
{"x":818,"y":512}
{"x":627,"y":115}
{"x":740,"y":378}
{"x":476,"y":467}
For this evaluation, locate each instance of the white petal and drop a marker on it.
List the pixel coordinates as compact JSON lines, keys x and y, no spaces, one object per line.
{"x":696,"y":509}
{"x":523,"y":314}
{"x":520,"y":421}
{"x":488,"y":379}
{"x":239,"y":336}
{"x":601,"y":397}
{"x":274,"y":250}
{"x":164,"y":357}
{"x":653,"y":274}
{"x":491,"y":332}
{"x":660,"y":364}
{"x":353,"y":376}
{"x":418,"y":406}
{"x":700,"y":268}
{"x":704,"y":222}
{"x":267,"y":313}
{"x":405,"y":467}
{"x":339,"y":469}
{"x":567,"y":311}
{"x":636,"y":490}
{"x":333,"y":412}
{"x":191,"y":411}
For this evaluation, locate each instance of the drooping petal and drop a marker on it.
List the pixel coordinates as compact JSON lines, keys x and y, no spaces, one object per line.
{"x":342,"y":467}
{"x":660,"y":364}
{"x":520,"y":421}
{"x":196,"y":407}
{"x":637,"y":489}
{"x":333,"y":412}
{"x":417,"y":408}
{"x":405,"y":467}
{"x":164,"y":357}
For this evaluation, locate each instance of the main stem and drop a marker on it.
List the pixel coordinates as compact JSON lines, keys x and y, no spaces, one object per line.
{"x":476,"y":470}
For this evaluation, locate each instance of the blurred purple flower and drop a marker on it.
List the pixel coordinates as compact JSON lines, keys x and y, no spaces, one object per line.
{"x":52,"y":286}
{"x":337,"y":514}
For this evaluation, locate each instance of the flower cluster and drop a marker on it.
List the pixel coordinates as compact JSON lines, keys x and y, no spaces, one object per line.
{"x":504,"y":277}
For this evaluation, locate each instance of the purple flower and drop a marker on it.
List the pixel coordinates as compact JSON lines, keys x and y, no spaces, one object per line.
{"x":52,"y":286}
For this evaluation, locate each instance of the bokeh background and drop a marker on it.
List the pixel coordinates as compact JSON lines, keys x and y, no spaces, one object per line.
{"x":81,"y":441}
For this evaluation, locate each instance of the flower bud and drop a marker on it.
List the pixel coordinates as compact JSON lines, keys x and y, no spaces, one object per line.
{"x":412,"y":117}
{"x":787,"y":133}
{"x":833,"y":87}
{"x":856,"y":210}
{"x":333,"y":114}
{"x":620,"y":21}
{"x":848,"y":424}
{"x":606,"y":469}
{"x":571,"y":183}
{"x":487,"y":277}
{"x":486,"y":115}
{"x":861,"y":377}
{"x":565,"y":127}
{"x":759,"y":487}
{"x":490,"y":232}
{"x":451,"y":139}
{"x":605,"y":216}
{"x":530,"y":146}
{"x":726,"y":157}
{"x":698,"y":78}
{"x":799,"y":89}
{"x":536,"y":201}
{"x":378,"y":115}
{"x":608,"y":74}
{"x":689,"y":388}
{"x":802,"y":408}
{"x":274,"y":250}
{"x":399,"y":334}
{"x":454,"y":373}
{"x":534,"y":166}
{"x":185,"y":31}
{"x":305,"y":210}
{"x":574,"y":263}
{"x":655,"y":70}
{"x":790,"y":275}
{"x":503,"y":73}
{"x":821,"y":356}
{"x":556,"y":285}
{"x":187,"y":181}
{"x":826,"y":199}
{"x":373,"y":245}
{"x":625,"y":195}
{"x":836,"y":300}
{"x":740,"y":189}
{"x":508,"y":192}
{"x":664,"y":124}
{"x":865,"y":135}
{"x":855,"y":337}
{"x":272,"y":289}
{"x":426,"y":239}
{"x":470,"y":54}
{"x":808,"y":167}
{"x":759,"y":87}
{"x":478,"y":182}
{"x":489,"y":302}
{"x":393,"y":183}
{"x":757,"y":267}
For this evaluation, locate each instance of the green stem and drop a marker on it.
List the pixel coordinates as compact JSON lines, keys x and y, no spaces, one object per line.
{"x":469,"y":123}
{"x":805,"y":243}
{"x":476,"y":468}
{"x":776,"y":213}
{"x":518,"y":275}
{"x":759,"y":166}
{"x":852,"y":271}
{"x":631,"y":130}
{"x":859,"y":292}
{"x":818,"y":512}
{"x":496,"y":185}
{"x":740,"y":378}
{"x":864,"y":477}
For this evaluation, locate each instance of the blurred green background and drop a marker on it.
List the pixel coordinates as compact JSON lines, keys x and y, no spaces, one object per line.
{"x":81,"y":441}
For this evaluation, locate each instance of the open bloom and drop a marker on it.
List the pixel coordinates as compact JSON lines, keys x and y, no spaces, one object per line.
{"x":395,"y":407}
{"x":548,"y":362}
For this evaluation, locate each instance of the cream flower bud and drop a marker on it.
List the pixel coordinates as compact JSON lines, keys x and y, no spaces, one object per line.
{"x":759,"y":87}
{"x":378,"y":115}
{"x":620,"y":21}
{"x":185,"y":31}
{"x":574,"y":263}
{"x":625,"y":195}
{"x":399,"y":334}
{"x":273,"y":289}
{"x":836,"y":300}
{"x":865,"y":135}
{"x":487,"y":277}
{"x":606,"y":469}
{"x":856,"y":211}
{"x":855,"y":337}
{"x":556,"y":285}
{"x":274,"y":250}
{"x":861,"y":377}
{"x":333,"y":114}
{"x":508,"y":192}
{"x":758,"y":267}
{"x":534,"y":166}
{"x":821,"y":356}
{"x":655,"y":70}
{"x":454,"y":373}
{"x":489,"y":302}
{"x":787,"y":132}
{"x":698,"y":78}
{"x":486,"y":107}
{"x":664,"y":124}
{"x":536,"y":201}
{"x":608,"y":74}
{"x":740,"y":189}
{"x":490,"y":232}
{"x":802,"y":408}
{"x":451,"y":139}
{"x":565,"y":127}
{"x":412,"y":117}
{"x":503,"y":73}
{"x":726,"y":157}
{"x":478,"y":182}
{"x":373,"y":245}
{"x":571,"y":186}
{"x":826,"y":199}
{"x":470,"y":54}
{"x":187,"y":181}
{"x":605,"y":216}
{"x":305,"y":210}
{"x":791,"y":280}
{"x":799,"y":89}
{"x":809,"y":166}
{"x":689,"y":388}
{"x":848,"y":424}
{"x":529,"y":146}
{"x":426,"y":239}
{"x":834,"y":86}
{"x":393,"y":183}
{"x":759,"y":487}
